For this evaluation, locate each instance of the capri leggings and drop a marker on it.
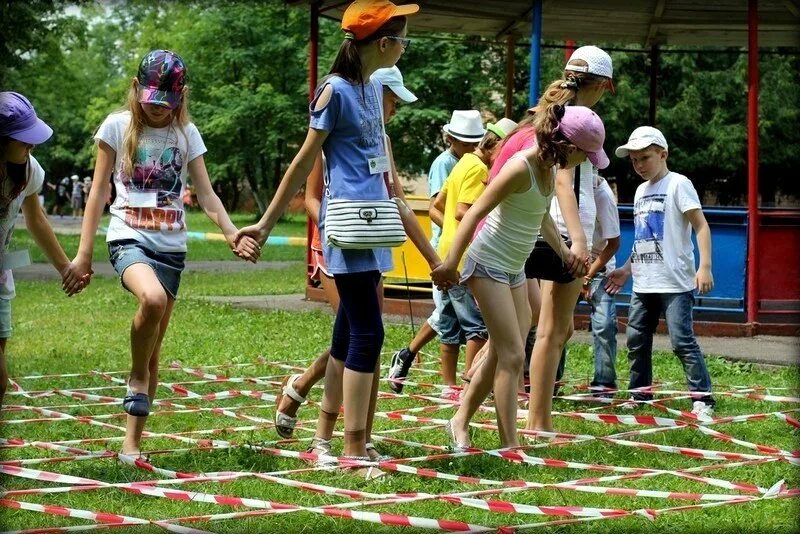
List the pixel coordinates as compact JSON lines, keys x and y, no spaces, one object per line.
{"x":358,"y":329}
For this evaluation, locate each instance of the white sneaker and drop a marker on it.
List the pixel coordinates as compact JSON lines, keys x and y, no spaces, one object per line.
{"x":703,"y":411}
{"x":630,"y":404}
{"x":451,"y":394}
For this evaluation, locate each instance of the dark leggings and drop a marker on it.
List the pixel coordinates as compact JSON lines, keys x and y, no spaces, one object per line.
{"x":358,"y":329}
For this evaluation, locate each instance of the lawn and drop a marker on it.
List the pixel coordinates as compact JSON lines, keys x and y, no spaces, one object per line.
{"x":292,"y":225}
{"x":55,"y":335}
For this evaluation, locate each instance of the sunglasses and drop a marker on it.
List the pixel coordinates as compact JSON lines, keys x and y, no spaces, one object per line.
{"x":404,"y":42}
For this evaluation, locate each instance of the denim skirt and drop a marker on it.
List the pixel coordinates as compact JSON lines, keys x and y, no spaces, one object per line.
{"x":168,"y":266}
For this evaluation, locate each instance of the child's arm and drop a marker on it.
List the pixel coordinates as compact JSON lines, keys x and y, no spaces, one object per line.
{"x":296,"y":174}
{"x":611,"y":248}
{"x":95,"y":204}
{"x":42,"y":233}
{"x":513,"y":178}
{"x":410,"y":223}
{"x":704,"y":280}
{"x":436,"y":210}
{"x":314,"y":187}
{"x":616,"y":279}
{"x":568,"y":205}
{"x":246,"y":249}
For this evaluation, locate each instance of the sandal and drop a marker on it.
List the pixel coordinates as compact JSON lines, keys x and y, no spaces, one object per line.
{"x":367,"y":472}
{"x":285,"y":424}
{"x":375,"y":455}
{"x":455,"y":446}
{"x":322,"y":448}
{"x":136,"y":404}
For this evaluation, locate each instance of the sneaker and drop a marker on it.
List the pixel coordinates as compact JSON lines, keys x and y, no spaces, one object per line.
{"x":398,"y":368}
{"x":450,"y":394}
{"x":630,"y":404}
{"x":703,"y":411}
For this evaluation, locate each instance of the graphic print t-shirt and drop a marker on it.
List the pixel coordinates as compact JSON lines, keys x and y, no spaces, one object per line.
{"x":149,"y":205}
{"x":663,"y":254}
{"x":8,"y":218}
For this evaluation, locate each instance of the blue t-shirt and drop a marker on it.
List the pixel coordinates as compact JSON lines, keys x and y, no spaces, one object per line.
{"x":354,"y":120}
{"x":441,"y":168}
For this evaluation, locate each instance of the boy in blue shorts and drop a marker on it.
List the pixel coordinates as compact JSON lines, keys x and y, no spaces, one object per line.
{"x":666,"y":209}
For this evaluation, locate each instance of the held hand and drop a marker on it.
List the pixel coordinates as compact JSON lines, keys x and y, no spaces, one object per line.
{"x":576,"y":267}
{"x":704,"y":280}
{"x":580,"y":250}
{"x":615,"y":280}
{"x":445,"y":277}
{"x":255,"y":231}
{"x":71,"y":282}
{"x":248,"y":249}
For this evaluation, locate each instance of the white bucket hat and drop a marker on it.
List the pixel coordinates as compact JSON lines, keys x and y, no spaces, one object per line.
{"x":393,"y":79}
{"x":641,"y":138}
{"x":465,"y":125}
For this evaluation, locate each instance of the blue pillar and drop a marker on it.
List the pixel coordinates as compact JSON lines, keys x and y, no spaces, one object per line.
{"x":536,"y":51}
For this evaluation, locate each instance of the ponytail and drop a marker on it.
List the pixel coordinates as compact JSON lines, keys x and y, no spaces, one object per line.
{"x":553,"y":146}
{"x":348,"y":60}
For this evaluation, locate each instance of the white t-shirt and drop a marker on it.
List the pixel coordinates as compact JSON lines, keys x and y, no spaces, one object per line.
{"x":586,"y":208}
{"x":663,"y":253}
{"x":149,"y":205}
{"x":607,"y":225}
{"x":34,"y":185}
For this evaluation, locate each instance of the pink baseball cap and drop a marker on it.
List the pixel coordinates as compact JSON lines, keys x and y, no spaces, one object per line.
{"x":583,"y":128}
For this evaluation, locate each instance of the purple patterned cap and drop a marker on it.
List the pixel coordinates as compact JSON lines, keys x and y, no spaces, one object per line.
{"x":18,"y":120}
{"x":162,"y":76}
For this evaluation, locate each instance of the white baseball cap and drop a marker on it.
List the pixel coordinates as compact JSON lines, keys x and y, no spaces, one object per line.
{"x":466,"y":125}
{"x":598,"y":62}
{"x":393,"y":79}
{"x":641,"y":138}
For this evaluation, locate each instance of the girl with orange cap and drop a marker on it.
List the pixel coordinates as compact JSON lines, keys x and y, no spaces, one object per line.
{"x":346,"y":125}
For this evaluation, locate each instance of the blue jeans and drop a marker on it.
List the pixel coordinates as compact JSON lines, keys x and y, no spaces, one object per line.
{"x":645,"y":310}
{"x":604,"y":333}
{"x":460,"y":319}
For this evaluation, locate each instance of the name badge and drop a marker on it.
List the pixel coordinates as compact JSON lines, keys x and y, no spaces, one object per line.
{"x":143,"y":199}
{"x":645,"y":247}
{"x":378,"y":165}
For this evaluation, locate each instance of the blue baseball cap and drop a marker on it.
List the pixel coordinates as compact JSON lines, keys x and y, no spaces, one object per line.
{"x":18,"y":120}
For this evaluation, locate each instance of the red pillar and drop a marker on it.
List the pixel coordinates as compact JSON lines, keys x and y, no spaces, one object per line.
{"x":752,"y":161}
{"x":313,"y":55}
{"x":569,"y":48}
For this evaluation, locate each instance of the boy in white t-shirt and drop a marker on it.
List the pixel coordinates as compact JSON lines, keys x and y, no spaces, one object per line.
{"x":665,"y":210}
{"x":605,"y":243}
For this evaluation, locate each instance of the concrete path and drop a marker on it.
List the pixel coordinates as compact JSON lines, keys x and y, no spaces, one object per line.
{"x":770,"y":350}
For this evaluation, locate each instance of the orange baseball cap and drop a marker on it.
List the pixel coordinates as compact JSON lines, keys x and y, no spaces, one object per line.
{"x":362,"y":18}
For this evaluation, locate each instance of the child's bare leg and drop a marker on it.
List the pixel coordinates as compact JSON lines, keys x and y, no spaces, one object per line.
{"x":552,"y":333}
{"x":135,"y":425}
{"x":474,"y":346}
{"x":142,"y":281}
{"x":449,"y":363}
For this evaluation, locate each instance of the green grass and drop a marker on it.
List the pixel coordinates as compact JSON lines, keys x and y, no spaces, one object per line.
{"x":54,"y":334}
{"x":292,"y":225}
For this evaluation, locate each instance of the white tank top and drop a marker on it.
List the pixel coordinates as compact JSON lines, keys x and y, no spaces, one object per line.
{"x":587,"y":209}
{"x":507,"y":237}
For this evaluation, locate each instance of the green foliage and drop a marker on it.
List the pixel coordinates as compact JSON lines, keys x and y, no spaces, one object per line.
{"x":248,"y":66}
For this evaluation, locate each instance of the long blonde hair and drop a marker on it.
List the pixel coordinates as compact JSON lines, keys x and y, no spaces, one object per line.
{"x":137,"y":123}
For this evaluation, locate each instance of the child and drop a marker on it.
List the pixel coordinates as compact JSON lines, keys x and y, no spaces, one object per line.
{"x":76,"y":198}
{"x":21,"y":179}
{"x":464,"y":140}
{"x":296,"y":387}
{"x":150,"y":147}
{"x":515,"y":205}
{"x":346,"y":125}
{"x":463,"y":187}
{"x":665,"y":210}
{"x":605,"y":244}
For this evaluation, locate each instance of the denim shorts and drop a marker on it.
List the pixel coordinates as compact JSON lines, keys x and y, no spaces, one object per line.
{"x":168,"y":266}
{"x":5,"y":319}
{"x":473,"y":268}
{"x":460,"y":320}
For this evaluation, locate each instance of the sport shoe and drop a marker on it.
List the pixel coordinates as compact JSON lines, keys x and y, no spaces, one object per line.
{"x":630,"y":404}
{"x":451,"y":394}
{"x":703,"y":411}
{"x":398,"y":368}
